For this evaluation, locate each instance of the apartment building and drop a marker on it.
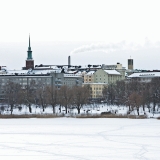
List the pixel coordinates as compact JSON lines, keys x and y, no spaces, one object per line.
{"x":96,"y":89}
{"x":107,"y":76}
{"x":89,"y":77}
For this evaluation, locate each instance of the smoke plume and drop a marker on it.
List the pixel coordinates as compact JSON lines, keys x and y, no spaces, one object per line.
{"x":99,"y":47}
{"x":110,"y":47}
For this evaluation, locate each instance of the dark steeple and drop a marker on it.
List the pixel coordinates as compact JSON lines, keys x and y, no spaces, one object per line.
{"x":29,"y":61}
{"x":29,"y":40}
{"x":29,"y":51}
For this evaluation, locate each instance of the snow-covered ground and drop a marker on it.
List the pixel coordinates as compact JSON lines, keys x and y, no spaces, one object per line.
{"x":92,"y":109}
{"x":79,"y":139}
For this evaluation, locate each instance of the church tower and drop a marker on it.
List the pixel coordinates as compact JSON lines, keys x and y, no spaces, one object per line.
{"x":29,"y":61}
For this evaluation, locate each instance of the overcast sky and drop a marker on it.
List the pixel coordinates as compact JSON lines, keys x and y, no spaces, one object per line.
{"x":91,"y":31}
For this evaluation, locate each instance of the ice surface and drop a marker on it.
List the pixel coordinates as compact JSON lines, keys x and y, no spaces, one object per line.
{"x":79,"y":139}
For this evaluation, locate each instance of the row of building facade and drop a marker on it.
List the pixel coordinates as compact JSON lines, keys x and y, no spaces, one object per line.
{"x":97,"y":76}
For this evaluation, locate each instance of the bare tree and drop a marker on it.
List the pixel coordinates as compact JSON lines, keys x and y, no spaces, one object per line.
{"x":155,"y":92}
{"x":41,"y":93}
{"x":119,"y":92}
{"x":29,"y":95}
{"x":110,"y":93}
{"x":65,"y":97}
{"x":80,"y":96}
{"x":52,"y":96}
{"x":136,"y":101}
{"x":12,"y":94}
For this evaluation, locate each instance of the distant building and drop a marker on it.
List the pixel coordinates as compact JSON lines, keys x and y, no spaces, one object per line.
{"x":29,"y":60}
{"x":51,"y":79}
{"x":89,"y":77}
{"x":97,"y":76}
{"x":130,"y":64}
{"x":107,"y":76}
{"x":144,"y":76}
{"x":96,"y":89}
{"x":118,"y":67}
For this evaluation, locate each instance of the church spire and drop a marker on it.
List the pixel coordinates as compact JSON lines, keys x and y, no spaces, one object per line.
{"x":29,"y":60}
{"x":29,"y":50}
{"x":29,"y":40}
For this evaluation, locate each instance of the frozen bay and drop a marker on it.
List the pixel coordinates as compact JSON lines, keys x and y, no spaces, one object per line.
{"x":79,"y":139}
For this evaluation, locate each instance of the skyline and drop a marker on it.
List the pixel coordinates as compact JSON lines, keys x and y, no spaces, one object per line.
{"x":58,"y":52}
{"x":106,"y":32}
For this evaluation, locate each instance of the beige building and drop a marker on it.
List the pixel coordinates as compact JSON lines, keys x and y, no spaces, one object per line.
{"x":96,"y":89}
{"x":103,"y":76}
{"x":89,"y":77}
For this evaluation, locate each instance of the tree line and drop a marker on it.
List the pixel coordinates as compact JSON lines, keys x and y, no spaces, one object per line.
{"x":134,"y":94}
{"x":43,"y":96}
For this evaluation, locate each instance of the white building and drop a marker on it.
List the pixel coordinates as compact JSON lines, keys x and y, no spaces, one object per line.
{"x":144,"y":76}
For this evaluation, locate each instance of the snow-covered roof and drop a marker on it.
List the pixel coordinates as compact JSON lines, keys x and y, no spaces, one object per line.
{"x":90,"y":72}
{"x":112,"y":72}
{"x":145,"y":74}
{"x":40,"y":71}
{"x":71,"y":72}
{"x":29,"y":72}
{"x":72,"y":75}
{"x":92,"y":66}
{"x":46,"y":67}
{"x":13,"y":72}
{"x":79,"y":73}
{"x":95,"y":83}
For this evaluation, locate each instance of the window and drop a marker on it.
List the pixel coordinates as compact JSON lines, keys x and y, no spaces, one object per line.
{"x":25,"y":79}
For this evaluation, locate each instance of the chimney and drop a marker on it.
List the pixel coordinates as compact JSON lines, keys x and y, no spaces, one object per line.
{"x":69,"y":60}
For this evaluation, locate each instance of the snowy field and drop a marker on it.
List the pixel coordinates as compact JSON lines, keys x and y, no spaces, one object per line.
{"x":95,"y":109}
{"x":79,"y":139}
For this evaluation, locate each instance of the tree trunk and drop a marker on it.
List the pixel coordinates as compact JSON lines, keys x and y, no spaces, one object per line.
{"x":129,"y":108}
{"x":154,"y":106}
{"x":53,"y":109}
{"x":11,"y":109}
{"x":79,"y":110}
{"x":138,"y":111}
{"x":60,"y":109}
{"x":30,"y":109}
{"x":143,"y":107}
